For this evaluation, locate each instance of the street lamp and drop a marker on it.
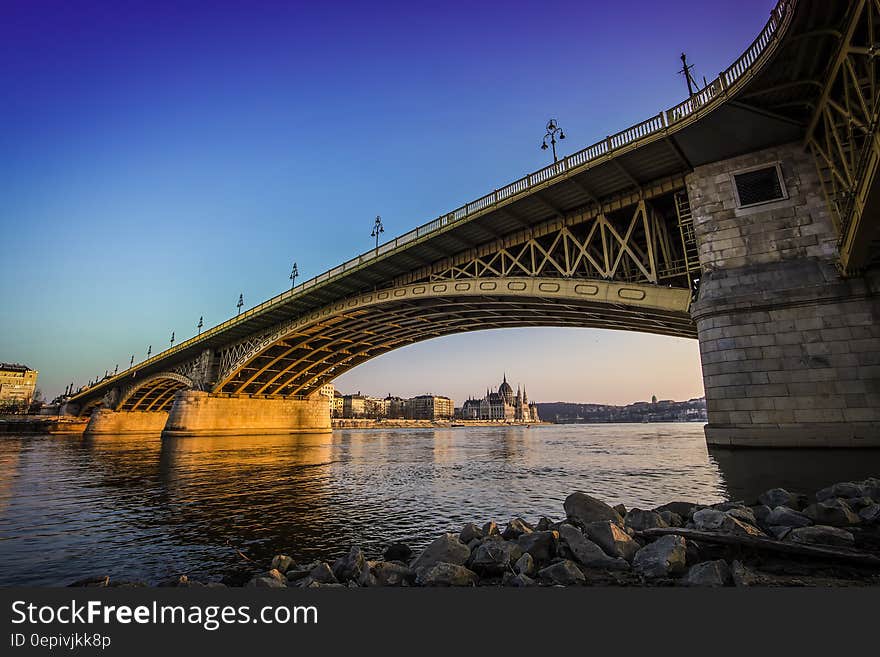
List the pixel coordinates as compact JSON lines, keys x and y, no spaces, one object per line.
{"x":201,"y":324}
{"x":378,"y":229}
{"x":552,"y":130}
{"x":240,"y":303}
{"x":131,"y":362}
{"x":293,"y":274}
{"x":149,"y":350}
{"x":172,"y":338}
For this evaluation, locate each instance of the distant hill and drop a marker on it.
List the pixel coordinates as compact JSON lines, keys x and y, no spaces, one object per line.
{"x":667,"y":410}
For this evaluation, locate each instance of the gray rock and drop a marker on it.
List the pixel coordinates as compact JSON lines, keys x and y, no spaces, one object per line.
{"x":525,"y":565}
{"x":263,"y":582}
{"x":391,"y":574}
{"x":397,"y":552}
{"x":779,"y":532}
{"x":350,"y":566}
{"x":494,"y":557}
{"x":744,"y":514}
{"x":821,"y":535}
{"x":323,"y":574}
{"x":832,"y":511}
{"x":870,"y":514}
{"x":672,"y":519}
{"x":786,"y":517}
{"x":744,"y":576}
{"x":541,"y":545}
{"x":490,"y":529}
{"x":519,"y":580}
{"x":563,"y":572}
{"x":778,"y":497}
{"x":446,"y":549}
{"x":712,"y":520}
{"x":516,"y":528}
{"x":761,"y":513}
{"x":843,"y":489}
{"x":584,"y":509}
{"x":281,"y":562}
{"x":709,"y":573}
{"x":640,"y":520}
{"x":871,"y":488}
{"x":664,"y":557}
{"x":544,"y":524}
{"x":620,"y":508}
{"x":612,"y":539}
{"x":469,"y":533}
{"x":587,"y":553}
{"x":297,"y":572}
{"x":684,"y":509}
{"x":446,"y":574}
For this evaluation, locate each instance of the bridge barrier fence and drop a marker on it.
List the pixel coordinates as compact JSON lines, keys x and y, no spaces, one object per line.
{"x":648,"y":128}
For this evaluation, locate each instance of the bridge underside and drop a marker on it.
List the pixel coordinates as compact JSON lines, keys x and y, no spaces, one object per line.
{"x":306,"y":358}
{"x":157,"y":395}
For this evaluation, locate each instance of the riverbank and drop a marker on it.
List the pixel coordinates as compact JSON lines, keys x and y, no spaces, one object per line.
{"x":829,"y":538}
{"x":42,"y":424}
{"x":386,"y":423}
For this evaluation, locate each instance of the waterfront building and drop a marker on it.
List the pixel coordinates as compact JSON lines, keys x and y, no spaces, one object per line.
{"x":353,"y":406}
{"x":503,"y":404}
{"x":329,"y":391}
{"x":396,"y":407}
{"x":17,"y":386}
{"x":430,"y":407}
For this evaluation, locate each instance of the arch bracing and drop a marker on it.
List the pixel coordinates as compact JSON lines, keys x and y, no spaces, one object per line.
{"x":153,"y":393}
{"x":300,"y":356}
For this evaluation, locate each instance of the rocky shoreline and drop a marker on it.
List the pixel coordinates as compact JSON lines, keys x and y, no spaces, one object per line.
{"x":831,"y":538}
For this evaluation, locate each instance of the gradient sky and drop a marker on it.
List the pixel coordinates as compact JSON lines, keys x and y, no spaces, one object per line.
{"x":159,"y":158}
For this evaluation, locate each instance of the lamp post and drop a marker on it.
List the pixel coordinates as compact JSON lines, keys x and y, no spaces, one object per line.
{"x":552,"y":130}
{"x":172,"y":338}
{"x":201,"y":324}
{"x":293,"y":274}
{"x":378,"y":229}
{"x":240,"y":303}
{"x":149,"y":350}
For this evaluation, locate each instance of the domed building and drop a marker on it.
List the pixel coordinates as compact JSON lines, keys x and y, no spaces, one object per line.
{"x":501,"y":405}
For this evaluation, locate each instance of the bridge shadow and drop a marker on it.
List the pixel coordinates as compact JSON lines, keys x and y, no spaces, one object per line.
{"x":746,"y":473}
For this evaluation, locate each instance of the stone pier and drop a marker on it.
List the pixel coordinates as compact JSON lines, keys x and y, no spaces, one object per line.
{"x":104,"y":421}
{"x":196,"y":413}
{"x":790,"y":349}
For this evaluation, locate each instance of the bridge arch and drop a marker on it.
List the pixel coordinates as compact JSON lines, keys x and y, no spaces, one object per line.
{"x":297,"y":357}
{"x":153,"y":393}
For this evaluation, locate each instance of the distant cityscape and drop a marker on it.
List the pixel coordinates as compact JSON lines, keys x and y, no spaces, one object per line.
{"x":665,"y":410}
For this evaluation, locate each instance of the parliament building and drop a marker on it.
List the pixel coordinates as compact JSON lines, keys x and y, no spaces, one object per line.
{"x":501,"y":405}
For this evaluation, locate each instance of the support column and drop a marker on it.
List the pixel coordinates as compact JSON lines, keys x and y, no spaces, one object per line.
{"x":104,"y":421}
{"x":790,"y":350}
{"x":197,"y":413}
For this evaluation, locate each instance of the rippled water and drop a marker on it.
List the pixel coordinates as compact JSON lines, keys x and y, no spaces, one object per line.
{"x":140,"y":508}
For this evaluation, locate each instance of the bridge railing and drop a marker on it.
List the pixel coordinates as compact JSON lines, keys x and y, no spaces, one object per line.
{"x":655,"y":125}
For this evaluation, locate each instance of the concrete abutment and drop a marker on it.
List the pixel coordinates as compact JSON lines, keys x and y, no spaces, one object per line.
{"x":104,"y":421}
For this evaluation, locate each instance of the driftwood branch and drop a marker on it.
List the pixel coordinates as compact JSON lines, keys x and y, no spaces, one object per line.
{"x":767,"y":544}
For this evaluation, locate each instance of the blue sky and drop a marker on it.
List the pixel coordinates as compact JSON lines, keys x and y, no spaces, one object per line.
{"x":159,"y":158}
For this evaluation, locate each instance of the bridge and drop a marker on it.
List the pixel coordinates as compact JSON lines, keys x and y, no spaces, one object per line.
{"x":745,"y":217}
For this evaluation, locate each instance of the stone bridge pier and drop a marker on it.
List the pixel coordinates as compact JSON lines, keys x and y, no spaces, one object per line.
{"x":790,"y":349}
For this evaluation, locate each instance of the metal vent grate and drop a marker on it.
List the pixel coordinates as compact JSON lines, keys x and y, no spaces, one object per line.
{"x":758,"y":186}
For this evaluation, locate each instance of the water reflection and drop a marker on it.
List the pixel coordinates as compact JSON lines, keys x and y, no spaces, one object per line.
{"x":137,"y":507}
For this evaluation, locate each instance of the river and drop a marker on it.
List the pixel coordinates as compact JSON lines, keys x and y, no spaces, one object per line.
{"x":140,"y":508}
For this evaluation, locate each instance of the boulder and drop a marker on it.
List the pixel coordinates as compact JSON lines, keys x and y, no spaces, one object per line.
{"x":664,"y":557}
{"x":323,"y":574}
{"x":350,"y":566}
{"x":786,"y":517}
{"x":713,"y":520}
{"x":518,"y":580}
{"x":297,"y":572}
{"x":494,"y":557}
{"x":544,"y":524}
{"x":640,"y":520}
{"x":490,"y":529}
{"x":870,"y":514}
{"x":684,"y":509}
{"x":469,"y":533}
{"x":620,"y":508}
{"x":843,"y":489}
{"x":391,"y":574}
{"x":264,"y":582}
{"x":779,"y":532}
{"x":833,"y":511}
{"x":587,"y":553}
{"x":563,"y":572}
{"x":761,"y":513}
{"x":859,"y":503}
{"x":709,"y":573}
{"x":871,"y":488}
{"x":584,"y":509}
{"x":612,"y":539}
{"x":672,"y":519}
{"x":778,"y":497}
{"x":516,"y":528}
{"x":821,"y":535}
{"x":446,"y":549}
{"x":446,"y":574}
{"x":541,"y":545}
{"x":743,"y":576}
{"x":397,"y":552}
{"x":281,"y":562}
{"x":525,"y":565}
{"x":744,"y":514}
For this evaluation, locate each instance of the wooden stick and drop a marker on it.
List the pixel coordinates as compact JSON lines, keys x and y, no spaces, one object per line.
{"x":770,"y":545}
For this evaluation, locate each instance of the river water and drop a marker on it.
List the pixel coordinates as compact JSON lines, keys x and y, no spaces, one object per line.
{"x":140,"y":508}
